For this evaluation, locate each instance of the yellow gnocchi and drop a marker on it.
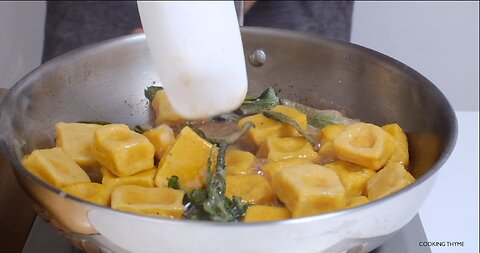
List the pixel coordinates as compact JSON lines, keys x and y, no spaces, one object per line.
{"x":121,"y":150}
{"x":55,"y":167}
{"x":259,"y":167}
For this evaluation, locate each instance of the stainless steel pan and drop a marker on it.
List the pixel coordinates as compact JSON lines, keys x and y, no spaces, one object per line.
{"x":105,"y":82}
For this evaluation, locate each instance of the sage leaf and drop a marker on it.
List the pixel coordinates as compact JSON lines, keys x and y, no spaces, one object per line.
{"x":319,"y":118}
{"x":229,"y":139}
{"x":265,"y":101}
{"x":151,"y":91}
{"x":280,"y":117}
{"x":173,"y":182}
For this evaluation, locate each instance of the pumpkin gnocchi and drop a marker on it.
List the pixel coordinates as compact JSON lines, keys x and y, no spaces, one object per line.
{"x":267,"y":161}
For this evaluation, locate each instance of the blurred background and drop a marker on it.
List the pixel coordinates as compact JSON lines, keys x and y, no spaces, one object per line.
{"x":438,"y":39}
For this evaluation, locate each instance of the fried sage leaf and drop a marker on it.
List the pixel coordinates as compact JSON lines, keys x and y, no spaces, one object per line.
{"x":151,"y":91}
{"x":227,"y":117}
{"x":229,"y":139}
{"x":265,"y":101}
{"x":210,"y":203}
{"x":216,"y":186}
{"x":139,"y":129}
{"x":278,"y":116}
{"x":174,"y":183}
{"x":217,"y":205}
{"x":319,"y":118}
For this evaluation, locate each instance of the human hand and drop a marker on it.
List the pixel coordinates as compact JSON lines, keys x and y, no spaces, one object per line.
{"x":248,"y":5}
{"x":137,"y":30}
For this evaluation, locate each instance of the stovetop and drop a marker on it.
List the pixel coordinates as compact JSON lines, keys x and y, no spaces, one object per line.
{"x":43,"y":239}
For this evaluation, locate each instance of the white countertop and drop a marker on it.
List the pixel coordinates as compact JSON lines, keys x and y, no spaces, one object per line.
{"x":450,"y":213}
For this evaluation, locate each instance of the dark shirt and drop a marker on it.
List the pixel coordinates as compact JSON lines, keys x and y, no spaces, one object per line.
{"x":71,"y":25}
{"x":327,"y":18}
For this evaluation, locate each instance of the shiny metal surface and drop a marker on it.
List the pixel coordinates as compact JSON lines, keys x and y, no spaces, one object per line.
{"x":240,"y":9}
{"x":404,"y":241}
{"x":106,"y":81}
{"x":257,"y":58}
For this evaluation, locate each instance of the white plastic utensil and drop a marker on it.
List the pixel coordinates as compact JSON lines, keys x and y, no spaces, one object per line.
{"x":198,"y":53}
